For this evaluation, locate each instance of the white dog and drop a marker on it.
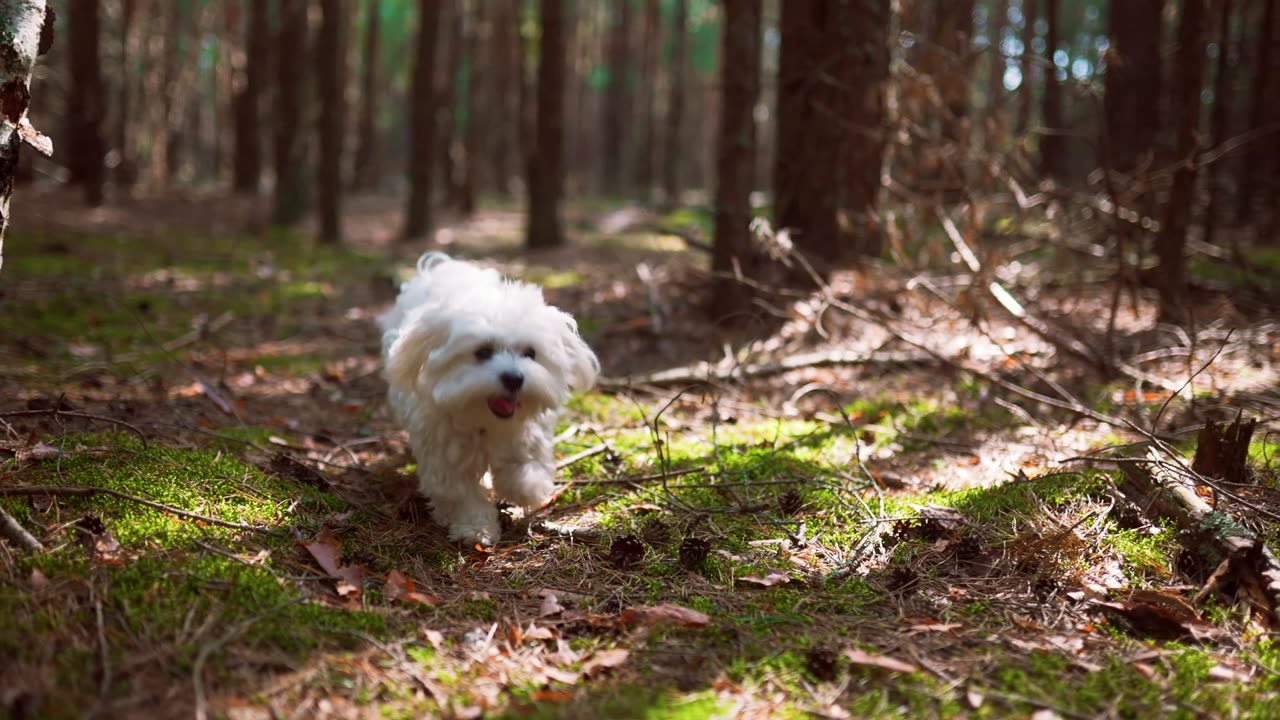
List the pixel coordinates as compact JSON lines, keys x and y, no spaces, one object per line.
{"x":478,"y":368}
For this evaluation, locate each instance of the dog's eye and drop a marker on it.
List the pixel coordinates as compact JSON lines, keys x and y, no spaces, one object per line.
{"x":484,"y":352}
{"x":530,"y":353}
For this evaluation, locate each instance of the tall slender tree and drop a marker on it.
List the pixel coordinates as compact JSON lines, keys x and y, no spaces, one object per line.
{"x":832,"y":69}
{"x":1051,"y":138}
{"x":290,"y":200}
{"x":546,"y":169}
{"x":330,"y":56}
{"x":1261,"y":100}
{"x":453,"y":18}
{"x":647,"y":117}
{"x":615,"y":120}
{"x":126,"y":172}
{"x":1028,"y":66}
{"x":673,"y":147}
{"x":736,"y":155}
{"x":1220,"y":116}
{"x":1132,"y":83}
{"x":503,"y":56}
{"x":365,"y":172}
{"x":26,"y":32}
{"x":1171,"y":271}
{"x":246,"y":156}
{"x":422,"y":139}
{"x":86,"y":103}
{"x":475,"y":128}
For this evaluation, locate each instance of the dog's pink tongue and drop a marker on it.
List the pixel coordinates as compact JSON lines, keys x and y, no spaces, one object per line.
{"x":504,"y":406}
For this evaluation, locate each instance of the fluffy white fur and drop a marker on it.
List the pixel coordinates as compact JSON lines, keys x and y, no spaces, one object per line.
{"x":478,"y":367}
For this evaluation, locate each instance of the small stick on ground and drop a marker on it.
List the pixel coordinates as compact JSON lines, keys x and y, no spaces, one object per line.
{"x":10,"y":528}
{"x":84,"y":416}
{"x":76,"y":491}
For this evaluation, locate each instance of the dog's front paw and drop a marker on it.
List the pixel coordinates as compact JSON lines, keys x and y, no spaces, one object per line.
{"x":528,"y":486}
{"x":472,"y":535}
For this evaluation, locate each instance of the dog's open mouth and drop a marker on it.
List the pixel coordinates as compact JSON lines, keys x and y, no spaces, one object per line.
{"x":504,"y":406}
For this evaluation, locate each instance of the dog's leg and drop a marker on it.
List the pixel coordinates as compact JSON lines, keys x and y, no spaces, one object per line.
{"x":462,"y":505}
{"x":527,"y":478}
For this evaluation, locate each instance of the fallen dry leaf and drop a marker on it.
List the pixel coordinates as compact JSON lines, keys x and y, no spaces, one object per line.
{"x":974,"y":698}
{"x":564,"y":677}
{"x":775,"y":577}
{"x":859,"y":657}
{"x":552,"y":696}
{"x":1222,"y":673}
{"x":399,"y":587}
{"x":324,"y":548}
{"x":665,"y":613}
{"x":38,"y":580}
{"x":935,"y":627}
{"x":605,"y":660}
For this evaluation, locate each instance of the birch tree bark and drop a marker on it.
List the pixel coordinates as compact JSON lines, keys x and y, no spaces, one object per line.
{"x":26,"y":32}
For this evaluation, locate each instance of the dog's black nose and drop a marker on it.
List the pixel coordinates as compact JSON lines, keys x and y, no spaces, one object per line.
{"x":511,"y":380}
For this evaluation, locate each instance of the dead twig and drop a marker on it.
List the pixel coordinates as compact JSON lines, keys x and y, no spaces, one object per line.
{"x":11,"y":529}
{"x":84,"y":416}
{"x":579,"y":457}
{"x":78,"y":491}
{"x":197,"y":668}
{"x":705,"y":372}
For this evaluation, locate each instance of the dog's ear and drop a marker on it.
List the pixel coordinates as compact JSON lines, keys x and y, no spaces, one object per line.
{"x":582,"y":366}
{"x":408,"y":351}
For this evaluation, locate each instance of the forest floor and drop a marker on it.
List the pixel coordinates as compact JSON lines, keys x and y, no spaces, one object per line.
{"x":884,"y":531}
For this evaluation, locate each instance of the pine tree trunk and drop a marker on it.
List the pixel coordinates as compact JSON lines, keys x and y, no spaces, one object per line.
{"x":247,"y":154}
{"x":672,"y":156}
{"x":476,"y":127}
{"x":736,"y":156}
{"x":830,"y":134}
{"x":366,"y":171}
{"x":86,"y":103}
{"x":1220,"y":118}
{"x":126,"y":172}
{"x":1133,"y":81}
{"x":422,"y":135}
{"x":1028,"y":66}
{"x":290,"y":151}
{"x":1261,"y":101}
{"x":996,"y":24}
{"x":27,"y":27}
{"x":1051,"y":140}
{"x":503,"y":55}
{"x":1170,"y":273}
{"x":330,"y":56}
{"x":647,"y":116}
{"x":546,"y":169}
{"x":453,"y":20}
{"x":617,"y":100}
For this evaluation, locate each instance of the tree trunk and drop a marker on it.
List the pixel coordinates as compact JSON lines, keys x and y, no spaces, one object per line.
{"x":1171,"y":271}
{"x":475,"y":126}
{"x":27,"y":27}
{"x":453,"y":20}
{"x":126,"y":172}
{"x":1051,"y":140}
{"x":736,"y":155}
{"x":290,"y":152}
{"x":86,"y":103}
{"x":617,"y":102}
{"x":948,"y":59}
{"x":1261,"y":103}
{"x":546,"y":169}
{"x":996,"y":23}
{"x":422,"y":131}
{"x":504,"y":57}
{"x":366,"y":171}
{"x":247,"y":155}
{"x":832,"y":70}
{"x":675,"y":105}
{"x":1220,"y":118}
{"x":647,"y":93}
{"x":1028,"y":66}
{"x":330,"y":56}
{"x":1133,"y":81}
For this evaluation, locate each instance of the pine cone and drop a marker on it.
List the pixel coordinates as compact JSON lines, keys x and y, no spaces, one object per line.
{"x":626,"y":552}
{"x":822,"y":663}
{"x":656,"y":533}
{"x":693,"y":552}
{"x":790,"y":502}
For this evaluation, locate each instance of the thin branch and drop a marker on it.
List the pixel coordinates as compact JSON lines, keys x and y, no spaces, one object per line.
{"x":704,"y":372}
{"x":10,"y":528}
{"x":77,"y":491}
{"x":84,"y":416}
